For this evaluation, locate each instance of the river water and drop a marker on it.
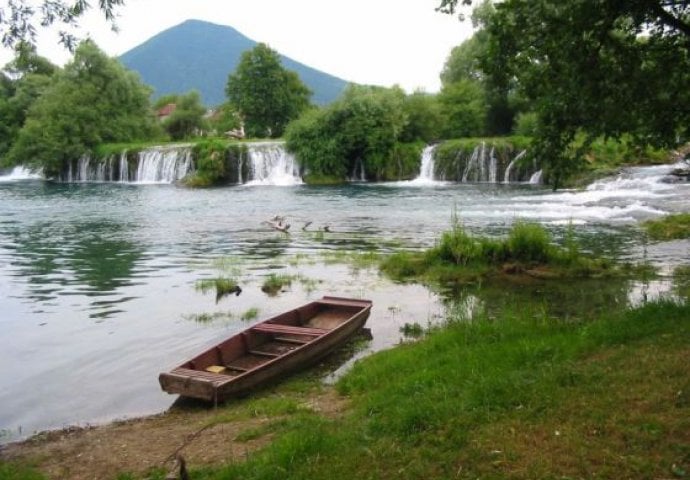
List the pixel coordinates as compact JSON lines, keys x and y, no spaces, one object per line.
{"x":97,"y":281}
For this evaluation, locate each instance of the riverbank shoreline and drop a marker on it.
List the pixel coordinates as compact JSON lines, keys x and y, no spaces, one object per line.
{"x":518,"y":396}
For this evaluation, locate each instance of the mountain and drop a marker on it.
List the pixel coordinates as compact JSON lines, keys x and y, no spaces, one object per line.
{"x":200,"y":55}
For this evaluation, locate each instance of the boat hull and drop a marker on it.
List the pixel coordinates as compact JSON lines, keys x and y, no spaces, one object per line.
{"x":322,"y":326}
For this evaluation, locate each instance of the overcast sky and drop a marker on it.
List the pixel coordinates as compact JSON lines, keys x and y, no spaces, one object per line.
{"x":380,"y":42}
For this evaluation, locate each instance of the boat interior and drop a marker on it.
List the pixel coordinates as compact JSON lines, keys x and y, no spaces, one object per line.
{"x":272,"y":339}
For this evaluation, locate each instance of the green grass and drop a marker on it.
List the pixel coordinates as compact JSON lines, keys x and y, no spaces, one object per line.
{"x":670,"y":227}
{"x":460,"y":256}
{"x":11,"y":471}
{"x":221,"y":285}
{"x":520,"y":396}
{"x":275,"y":283}
{"x":250,"y":314}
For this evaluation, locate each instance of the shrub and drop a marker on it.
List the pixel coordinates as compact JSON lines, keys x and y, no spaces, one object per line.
{"x":529,"y":242}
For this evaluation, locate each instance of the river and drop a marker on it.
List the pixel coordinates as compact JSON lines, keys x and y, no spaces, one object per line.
{"x":97,"y":281}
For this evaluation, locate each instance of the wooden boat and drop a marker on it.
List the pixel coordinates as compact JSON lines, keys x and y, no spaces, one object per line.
{"x":268,"y":350}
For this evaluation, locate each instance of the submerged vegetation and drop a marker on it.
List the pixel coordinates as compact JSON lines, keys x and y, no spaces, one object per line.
{"x":221,"y":285}
{"x":670,"y":227}
{"x":275,"y":283}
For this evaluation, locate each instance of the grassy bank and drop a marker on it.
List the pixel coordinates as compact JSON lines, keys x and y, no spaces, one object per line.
{"x":515,"y":396}
{"x":519,"y":396}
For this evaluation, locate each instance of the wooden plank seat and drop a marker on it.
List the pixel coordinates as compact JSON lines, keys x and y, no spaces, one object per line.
{"x":200,"y":374}
{"x":289,"y":329}
{"x":264,"y":353}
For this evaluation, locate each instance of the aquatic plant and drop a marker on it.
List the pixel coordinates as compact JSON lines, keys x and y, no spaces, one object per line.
{"x":250,"y":314}
{"x":413,"y":330}
{"x":222,"y":286}
{"x":670,"y":227}
{"x":275,"y":283}
{"x":528,"y":248}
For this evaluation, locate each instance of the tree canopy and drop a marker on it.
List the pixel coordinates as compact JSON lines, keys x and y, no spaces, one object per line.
{"x":358,"y":131}
{"x":19,"y":19}
{"x":267,"y":95}
{"x":93,"y":100}
{"x":188,"y":117}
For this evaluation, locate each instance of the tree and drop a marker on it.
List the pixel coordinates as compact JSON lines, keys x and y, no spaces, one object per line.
{"x":187,"y":119}
{"x":22,"y":81}
{"x":19,"y":19}
{"x":358,"y":131}
{"x":464,"y":108}
{"x":93,"y":100}
{"x":267,"y":95}
{"x":424,"y":118}
{"x":595,"y":67}
{"x":466,"y":63}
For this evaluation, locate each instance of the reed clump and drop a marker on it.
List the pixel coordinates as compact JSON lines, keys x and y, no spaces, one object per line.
{"x":528,"y":248}
{"x":670,"y":227}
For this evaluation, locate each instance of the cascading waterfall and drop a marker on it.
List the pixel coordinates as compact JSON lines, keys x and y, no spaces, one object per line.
{"x":426,"y":169}
{"x":163,"y":165}
{"x":493,"y":165}
{"x":511,"y":165}
{"x":124,"y":167}
{"x":535,"y":179}
{"x":271,"y":164}
{"x":358,"y":172}
{"x":153,"y":165}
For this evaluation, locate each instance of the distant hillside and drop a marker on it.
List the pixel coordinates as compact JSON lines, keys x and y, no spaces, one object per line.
{"x":200,"y":55}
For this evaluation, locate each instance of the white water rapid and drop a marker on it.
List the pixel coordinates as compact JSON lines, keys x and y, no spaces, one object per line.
{"x":271,"y":164}
{"x":20,"y":173}
{"x":636,"y":194}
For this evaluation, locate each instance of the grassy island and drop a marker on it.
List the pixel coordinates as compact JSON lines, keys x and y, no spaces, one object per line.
{"x":528,"y":249}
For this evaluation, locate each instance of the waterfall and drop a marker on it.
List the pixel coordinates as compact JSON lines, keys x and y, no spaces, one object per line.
{"x":493,"y":165}
{"x":471,"y":164}
{"x":271,"y":164}
{"x":21,"y":173}
{"x":511,"y":165}
{"x":163,"y":165}
{"x":535,"y":179}
{"x":359,"y":167}
{"x":426,"y":169}
{"x":153,"y":165}
{"x":124,"y":167}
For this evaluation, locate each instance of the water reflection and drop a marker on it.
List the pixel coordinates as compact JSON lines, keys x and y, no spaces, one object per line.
{"x":571,"y":300}
{"x":88,"y":258}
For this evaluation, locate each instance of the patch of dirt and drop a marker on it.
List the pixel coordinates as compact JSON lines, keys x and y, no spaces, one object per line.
{"x":136,"y":446}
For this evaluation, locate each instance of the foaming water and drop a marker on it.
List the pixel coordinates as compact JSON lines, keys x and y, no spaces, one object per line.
{"x":21,"y":173}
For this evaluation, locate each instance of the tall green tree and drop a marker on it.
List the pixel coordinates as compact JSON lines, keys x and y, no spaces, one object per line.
{"x":358,"y":131}
{"x":463,"y":105}
{"x":425,"y":120}
{"x":188,"y":118}
{"x":267,"y":95}
{"x":93,"y":100}
{"x":22,"y":81}
{"x":466,"y":64}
